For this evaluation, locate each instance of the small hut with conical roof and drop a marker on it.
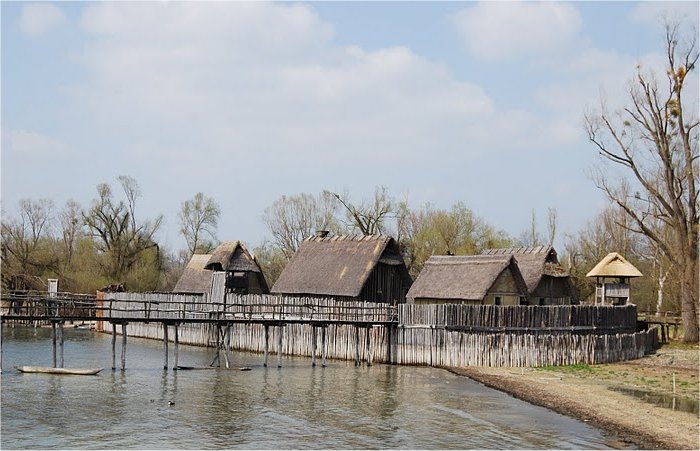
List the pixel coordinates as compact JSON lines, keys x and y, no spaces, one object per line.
{"x":613,"y":274}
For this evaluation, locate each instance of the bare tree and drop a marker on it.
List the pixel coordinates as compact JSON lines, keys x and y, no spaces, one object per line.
{"x":368,"y":217}
{"x":199,"y":218}
{"x":291,"y":219}
{"x":71,"y":224}
{"x":655,"y":138}
{"x":23,"y":240}
{"x":119,"y":237}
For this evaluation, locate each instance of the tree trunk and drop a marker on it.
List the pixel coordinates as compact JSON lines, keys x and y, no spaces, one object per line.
{"x":689,"y":301}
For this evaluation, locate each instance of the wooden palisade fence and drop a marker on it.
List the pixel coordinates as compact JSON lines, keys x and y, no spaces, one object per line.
{"x":437,"y":335}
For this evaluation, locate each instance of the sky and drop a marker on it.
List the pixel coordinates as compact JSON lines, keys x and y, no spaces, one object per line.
{"x":440,"y":102}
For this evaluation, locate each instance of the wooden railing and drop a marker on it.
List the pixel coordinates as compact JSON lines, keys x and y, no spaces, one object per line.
{"x":147,"y":307}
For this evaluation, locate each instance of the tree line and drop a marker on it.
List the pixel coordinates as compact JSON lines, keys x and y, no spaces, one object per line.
{"x":652,"y":218}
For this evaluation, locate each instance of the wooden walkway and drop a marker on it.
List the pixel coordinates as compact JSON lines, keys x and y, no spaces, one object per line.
{"x":439,"y":335}
{"x":175,"y":310}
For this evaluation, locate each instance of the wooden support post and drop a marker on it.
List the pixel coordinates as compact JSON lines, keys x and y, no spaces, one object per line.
{"x":218,"y":347}
{"x":114,"y":346}
{"x":165,"y":345}
{"x":123,"y":346}
{"x":1,"y":322}
{"x":60,"y":343}
{"x":267,"y":343}
{"x":313,"y":345}
{"x":357,"y":345}
{"x":389,"y":344}
{"x":177,"y":345}
{"x":323,"y":346}
{"x":225,"y":345}
{"x":53,"y":341}
{"x":369,"y":345}
{"x":279,"y":346}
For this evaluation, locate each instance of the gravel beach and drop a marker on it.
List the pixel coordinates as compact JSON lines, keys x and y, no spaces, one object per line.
{"x":602,"y":394}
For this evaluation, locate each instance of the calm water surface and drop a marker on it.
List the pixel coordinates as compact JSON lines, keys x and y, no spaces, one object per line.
{"x":292,"y":407}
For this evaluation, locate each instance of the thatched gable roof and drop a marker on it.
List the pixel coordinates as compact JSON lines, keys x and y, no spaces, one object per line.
{"x":464,"y":277}
{"x":533,"y":262}
{"x":232,"y":256}
{"x":337,"y":265}
{"x":228,"y":256}
{"x":195,"y":279}
{"x":614,"y":265}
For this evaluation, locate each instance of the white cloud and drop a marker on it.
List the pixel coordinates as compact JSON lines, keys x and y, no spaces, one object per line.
{"x":497,"y":31}
{"x":38,"y":18}
{"x":654,"y":13}
{"x":30,"y":145}
{"x":233,"y":97}
{"x":264,"y":83}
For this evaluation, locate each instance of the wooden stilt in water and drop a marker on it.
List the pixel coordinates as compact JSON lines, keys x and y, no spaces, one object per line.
{"x":1,"y":323}
{"x":177,"y":345}
{"x":60,"y":343}
{"x":114,"y":346}
{"x":313,"y":346}
{"x":369,"y":345}
{"x":267,"y":343}
{"x":357,"y":345}
{"x":123,"y":346}
{"x":279,"y":346}
{"x":53,"y":341}
{"x":165,"y":345}
{"x":323,"y":346}
{"x":218,"y":347}
{"x":225,"y":346}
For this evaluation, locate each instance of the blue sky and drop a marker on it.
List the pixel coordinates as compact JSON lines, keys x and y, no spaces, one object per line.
{"x":479,"y":102}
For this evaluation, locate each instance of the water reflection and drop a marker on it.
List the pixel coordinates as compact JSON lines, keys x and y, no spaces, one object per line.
{"x":296,"y":406}
{"x":662,"y":399}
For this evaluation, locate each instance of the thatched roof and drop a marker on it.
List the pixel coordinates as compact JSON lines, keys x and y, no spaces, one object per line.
{"x":228,"y":256}
{"x":195,"y":279}
{"x":533,"y":262}
{"x":232,"y":256}
{"x":614,"y":265}
{"x":464,"y":277}
{"x":336,"y":266}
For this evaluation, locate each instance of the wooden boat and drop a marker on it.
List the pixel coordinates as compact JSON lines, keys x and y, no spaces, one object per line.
{"x":180,"y":367}
{"x":50,"y":370}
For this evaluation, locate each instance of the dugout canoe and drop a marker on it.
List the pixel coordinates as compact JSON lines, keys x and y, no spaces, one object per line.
{"x":50,"y":370}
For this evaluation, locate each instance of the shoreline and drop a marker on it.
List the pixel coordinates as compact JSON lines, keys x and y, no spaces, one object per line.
{"x":590,"y":396}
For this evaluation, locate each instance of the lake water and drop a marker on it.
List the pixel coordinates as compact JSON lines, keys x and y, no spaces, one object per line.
{"x":296,"y":406}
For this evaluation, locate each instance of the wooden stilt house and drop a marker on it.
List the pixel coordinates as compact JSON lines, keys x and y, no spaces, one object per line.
{"x":470,"y":279}
{"x":241,"y":271}
{"x":548,"y":283}
{"x":352,"y":268}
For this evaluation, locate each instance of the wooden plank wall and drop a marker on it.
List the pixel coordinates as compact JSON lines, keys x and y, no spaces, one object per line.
{"x":521,"y":318}
{"x":508,"y":335}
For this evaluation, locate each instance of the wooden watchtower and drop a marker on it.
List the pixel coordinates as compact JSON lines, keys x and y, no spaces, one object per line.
{"x":613,"y":274}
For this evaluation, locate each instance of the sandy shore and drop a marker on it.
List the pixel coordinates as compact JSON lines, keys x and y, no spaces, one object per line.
{"x":591,"y":394}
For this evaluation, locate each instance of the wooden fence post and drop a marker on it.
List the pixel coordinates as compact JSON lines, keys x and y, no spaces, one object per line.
{"x":279,"y":346}
{"x":165,"y":346}
{"x":323,"y":346}
{"x":123,"y":346}
{"x":313,"y":345}
{"x":177,"y":345}
{"x":114,"y":346}
{"x":60,"y":343}
{"x":53,"y":341}
{"x":267,"y":343}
